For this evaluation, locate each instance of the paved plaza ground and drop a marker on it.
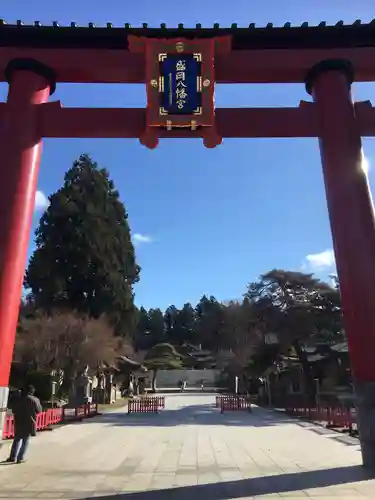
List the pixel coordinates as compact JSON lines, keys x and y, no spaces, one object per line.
{"x":189,"y":451}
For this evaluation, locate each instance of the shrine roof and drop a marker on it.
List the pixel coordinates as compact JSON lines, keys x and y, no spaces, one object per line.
{"x":251,"y":37}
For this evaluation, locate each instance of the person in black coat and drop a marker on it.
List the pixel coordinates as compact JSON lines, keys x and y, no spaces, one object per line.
{"x":25,"y":410}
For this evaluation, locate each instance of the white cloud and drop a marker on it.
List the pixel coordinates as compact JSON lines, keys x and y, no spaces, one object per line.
{"x":139,"y":238}
{"x":319,"y":261}
{"x":41,"y":201}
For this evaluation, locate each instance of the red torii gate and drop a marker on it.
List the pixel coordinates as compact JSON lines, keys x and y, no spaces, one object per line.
{"x":326,"y":59}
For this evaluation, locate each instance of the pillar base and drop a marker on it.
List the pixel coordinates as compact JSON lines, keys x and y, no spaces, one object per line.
{"x":365,"y":406}
{"x":4,"y":393}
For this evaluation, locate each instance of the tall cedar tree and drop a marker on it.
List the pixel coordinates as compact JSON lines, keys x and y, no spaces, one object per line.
{"x":84,"y":258}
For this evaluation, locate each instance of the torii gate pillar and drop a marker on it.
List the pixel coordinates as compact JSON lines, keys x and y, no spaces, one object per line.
{"x":30,"y":84}
{"x":351,"y":214}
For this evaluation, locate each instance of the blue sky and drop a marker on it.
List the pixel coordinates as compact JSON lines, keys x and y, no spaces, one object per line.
{"x":208,"y":221}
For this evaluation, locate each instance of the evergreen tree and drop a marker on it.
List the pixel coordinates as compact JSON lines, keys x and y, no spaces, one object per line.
{"x":298,"y":308}
{"x":142,"y":330}
{"x":209,"y":313}
{"x":84,"y":258}
{"x":157,"y":331}
{"x":185,"y":325}
{"x":162,"y":356}
{"x":170,"y":317}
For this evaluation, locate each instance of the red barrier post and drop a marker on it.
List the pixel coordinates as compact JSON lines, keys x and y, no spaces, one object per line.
{"x":8,"y":430}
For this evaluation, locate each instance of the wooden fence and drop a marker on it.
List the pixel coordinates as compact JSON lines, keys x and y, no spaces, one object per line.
{"x":53,"y":416}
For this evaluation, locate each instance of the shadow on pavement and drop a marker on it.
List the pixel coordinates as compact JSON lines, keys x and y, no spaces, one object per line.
{"x":282,"y":483}
{"x":203,"y":414}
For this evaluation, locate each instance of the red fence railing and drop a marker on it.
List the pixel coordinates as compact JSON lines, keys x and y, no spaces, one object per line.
{"x":225,"y":397}
{"x":161,"y":401}
{"x":53,"y":416}
{"x":234,"y":403}
{"x":146,"y":405}
{"x":338,"y":417}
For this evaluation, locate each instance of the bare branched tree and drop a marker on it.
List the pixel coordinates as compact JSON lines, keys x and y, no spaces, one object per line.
{"x":67,"y":342}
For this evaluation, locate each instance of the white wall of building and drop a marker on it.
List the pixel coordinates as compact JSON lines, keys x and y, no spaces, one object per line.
{"x":193,"y":378}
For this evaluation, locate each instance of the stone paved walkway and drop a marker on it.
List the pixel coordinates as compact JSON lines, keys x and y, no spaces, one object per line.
{"x":189,"y":451}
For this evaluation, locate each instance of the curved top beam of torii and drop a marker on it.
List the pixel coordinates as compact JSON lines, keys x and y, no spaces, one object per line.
{"x":268,"y":54}
{"x":259,"y":55}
